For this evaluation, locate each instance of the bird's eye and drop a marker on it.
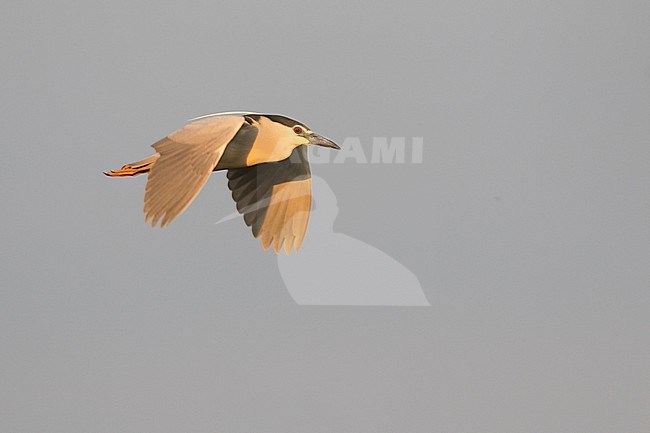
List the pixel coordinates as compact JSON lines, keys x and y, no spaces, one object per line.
{"x":297,"y":129}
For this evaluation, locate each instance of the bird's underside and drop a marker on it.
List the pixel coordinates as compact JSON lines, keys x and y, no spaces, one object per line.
{"x":267,"y":169}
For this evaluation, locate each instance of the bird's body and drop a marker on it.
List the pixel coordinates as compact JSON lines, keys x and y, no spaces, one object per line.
{"x":268,"y":172}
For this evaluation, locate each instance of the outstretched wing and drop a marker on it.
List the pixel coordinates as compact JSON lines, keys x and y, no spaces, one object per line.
{"x":187,"y":157}
{"x":275,"y":199}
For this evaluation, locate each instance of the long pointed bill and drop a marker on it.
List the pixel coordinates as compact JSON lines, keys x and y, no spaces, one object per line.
{"x":318,"y":140}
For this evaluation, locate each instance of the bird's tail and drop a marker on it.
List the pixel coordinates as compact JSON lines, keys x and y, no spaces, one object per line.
{"x":134,"y":168}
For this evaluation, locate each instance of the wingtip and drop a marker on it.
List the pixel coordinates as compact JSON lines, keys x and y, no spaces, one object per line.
{"x":223,"y":113}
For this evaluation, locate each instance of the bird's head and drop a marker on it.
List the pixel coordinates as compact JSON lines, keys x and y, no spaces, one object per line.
{"x":304,"y":136}
{"x":297,"y":134}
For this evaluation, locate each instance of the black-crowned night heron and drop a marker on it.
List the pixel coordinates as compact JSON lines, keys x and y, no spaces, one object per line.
{"x":268,"y":172}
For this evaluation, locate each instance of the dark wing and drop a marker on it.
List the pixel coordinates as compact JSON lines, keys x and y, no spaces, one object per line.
{"x":187,"y":157}
{"x":275,"y":199}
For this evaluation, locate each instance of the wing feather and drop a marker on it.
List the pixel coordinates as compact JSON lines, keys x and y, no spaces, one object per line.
{"x":187,"y":157}
{"x":275,"y":199}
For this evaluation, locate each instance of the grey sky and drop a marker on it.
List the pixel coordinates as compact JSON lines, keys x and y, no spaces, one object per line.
{"x":527,"y":224}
